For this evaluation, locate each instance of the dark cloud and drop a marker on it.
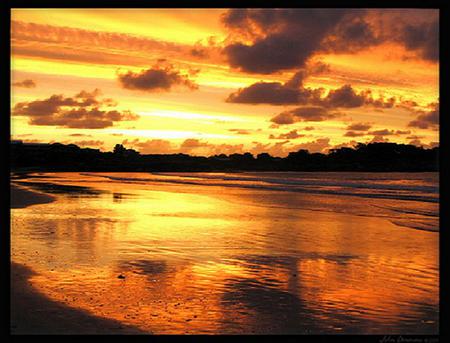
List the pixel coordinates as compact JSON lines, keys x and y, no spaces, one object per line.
{"x":293,"y":93}
{"x":426,"y":120}
{"x":402,"y":132}
{"x":288,"y":135}
{"x":354,"y":134}
{"x":25,"y":84}
{"x":282,"y":38}
{"x":359,"y":127}
{"x":424,"y":38}
{"x":386,"y":132}
{"x":383,"y":132}
{"x":155,"y":79}
{"x":83,"y":110}
{"x":277,"y":93}
{"x":344,"y":97}
{"x":412,"y":137}
{"x":309,"y":113}
{"x":378,"y":103}
{"x":274,"y":93}
{"x":351,"y":35}
{"x":271,"y":40}
{"x":199,"y":52}
{"x":308,"y":128}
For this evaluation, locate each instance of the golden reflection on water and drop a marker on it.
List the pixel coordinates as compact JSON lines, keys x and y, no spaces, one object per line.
{"x":219,"y":260}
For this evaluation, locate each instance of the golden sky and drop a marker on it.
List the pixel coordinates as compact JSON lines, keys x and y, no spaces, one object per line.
{"x":211,"y":81}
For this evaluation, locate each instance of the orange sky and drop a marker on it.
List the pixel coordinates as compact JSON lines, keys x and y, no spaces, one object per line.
{"x":169,"y":75}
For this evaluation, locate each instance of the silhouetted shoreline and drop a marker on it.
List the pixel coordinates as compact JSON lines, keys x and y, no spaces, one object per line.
{"x":372,"y":157}
{"x":22,"y":197}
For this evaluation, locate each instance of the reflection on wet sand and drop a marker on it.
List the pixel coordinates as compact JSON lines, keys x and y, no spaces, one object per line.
{"x":202,"y":260}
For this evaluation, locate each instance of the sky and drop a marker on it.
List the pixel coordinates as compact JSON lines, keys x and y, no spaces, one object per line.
{"x":213,"y":81}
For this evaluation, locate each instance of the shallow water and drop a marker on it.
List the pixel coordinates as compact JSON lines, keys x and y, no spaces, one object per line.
{"x":239,"y":253}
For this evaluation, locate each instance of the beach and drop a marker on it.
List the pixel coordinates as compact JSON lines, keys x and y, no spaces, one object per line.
{"x":220,"y":253}
{"x":34,"y":313}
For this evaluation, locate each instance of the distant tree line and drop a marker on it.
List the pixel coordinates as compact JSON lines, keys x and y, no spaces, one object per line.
{"x":363,"y":157}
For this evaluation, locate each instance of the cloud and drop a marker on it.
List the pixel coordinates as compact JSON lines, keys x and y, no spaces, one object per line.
{"x":83,"y":110}
{"x":424,"y":38}
{"x":79,"y":135}
{"x":192,"y":143}
{"x":387,"y":132}
{"x":281,"y":38}
{"x":308,"y":128}
{"x":359,"y":127}
{"x":155,"y":79}
{"x":426,"y":120}
{"x":319,"y":145}
{"x":199,"y":52}
{"x":151,"y":146}
{"x":293,"y":92}
{"x":276,"y":149}
{"x":88,"y":46}
{"x":25,"y":84}
{"x":271,"y":40}
{"x":379,"y":139}
{"x":89,"y":143}
{"x":354,"y":134}
{"x":288,"y":135}
{"x":240,"y":131}
{"x":402,"y":132}
{"x":307,"y":113}
{"x":274,"y":93}
{"x":197,"y":147}
{"x":350,"y":144}
{"x":418,"y":142}
{"x":344,"y":96}
{"x":351,"y":36}
{"x":277,"y":93}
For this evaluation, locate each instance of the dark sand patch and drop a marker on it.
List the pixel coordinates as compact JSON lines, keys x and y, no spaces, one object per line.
{"x":33,"y":313}
{"x":22,"y":197}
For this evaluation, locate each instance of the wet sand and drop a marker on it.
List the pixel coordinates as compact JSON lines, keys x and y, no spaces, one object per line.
{"x":222,"y":261}
{"x":32,"y":312}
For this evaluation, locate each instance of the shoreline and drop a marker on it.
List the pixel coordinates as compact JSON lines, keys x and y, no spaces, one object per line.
{"x":33,"y":313}
{"x":22,"y":197}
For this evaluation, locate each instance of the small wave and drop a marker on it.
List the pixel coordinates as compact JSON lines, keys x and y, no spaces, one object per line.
{"x":416,"y":225}
{"x":278,"y":185}
{"x":309,"y":182}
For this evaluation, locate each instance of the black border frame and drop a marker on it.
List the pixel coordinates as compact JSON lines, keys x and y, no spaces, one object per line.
{"x":444,"y":171}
